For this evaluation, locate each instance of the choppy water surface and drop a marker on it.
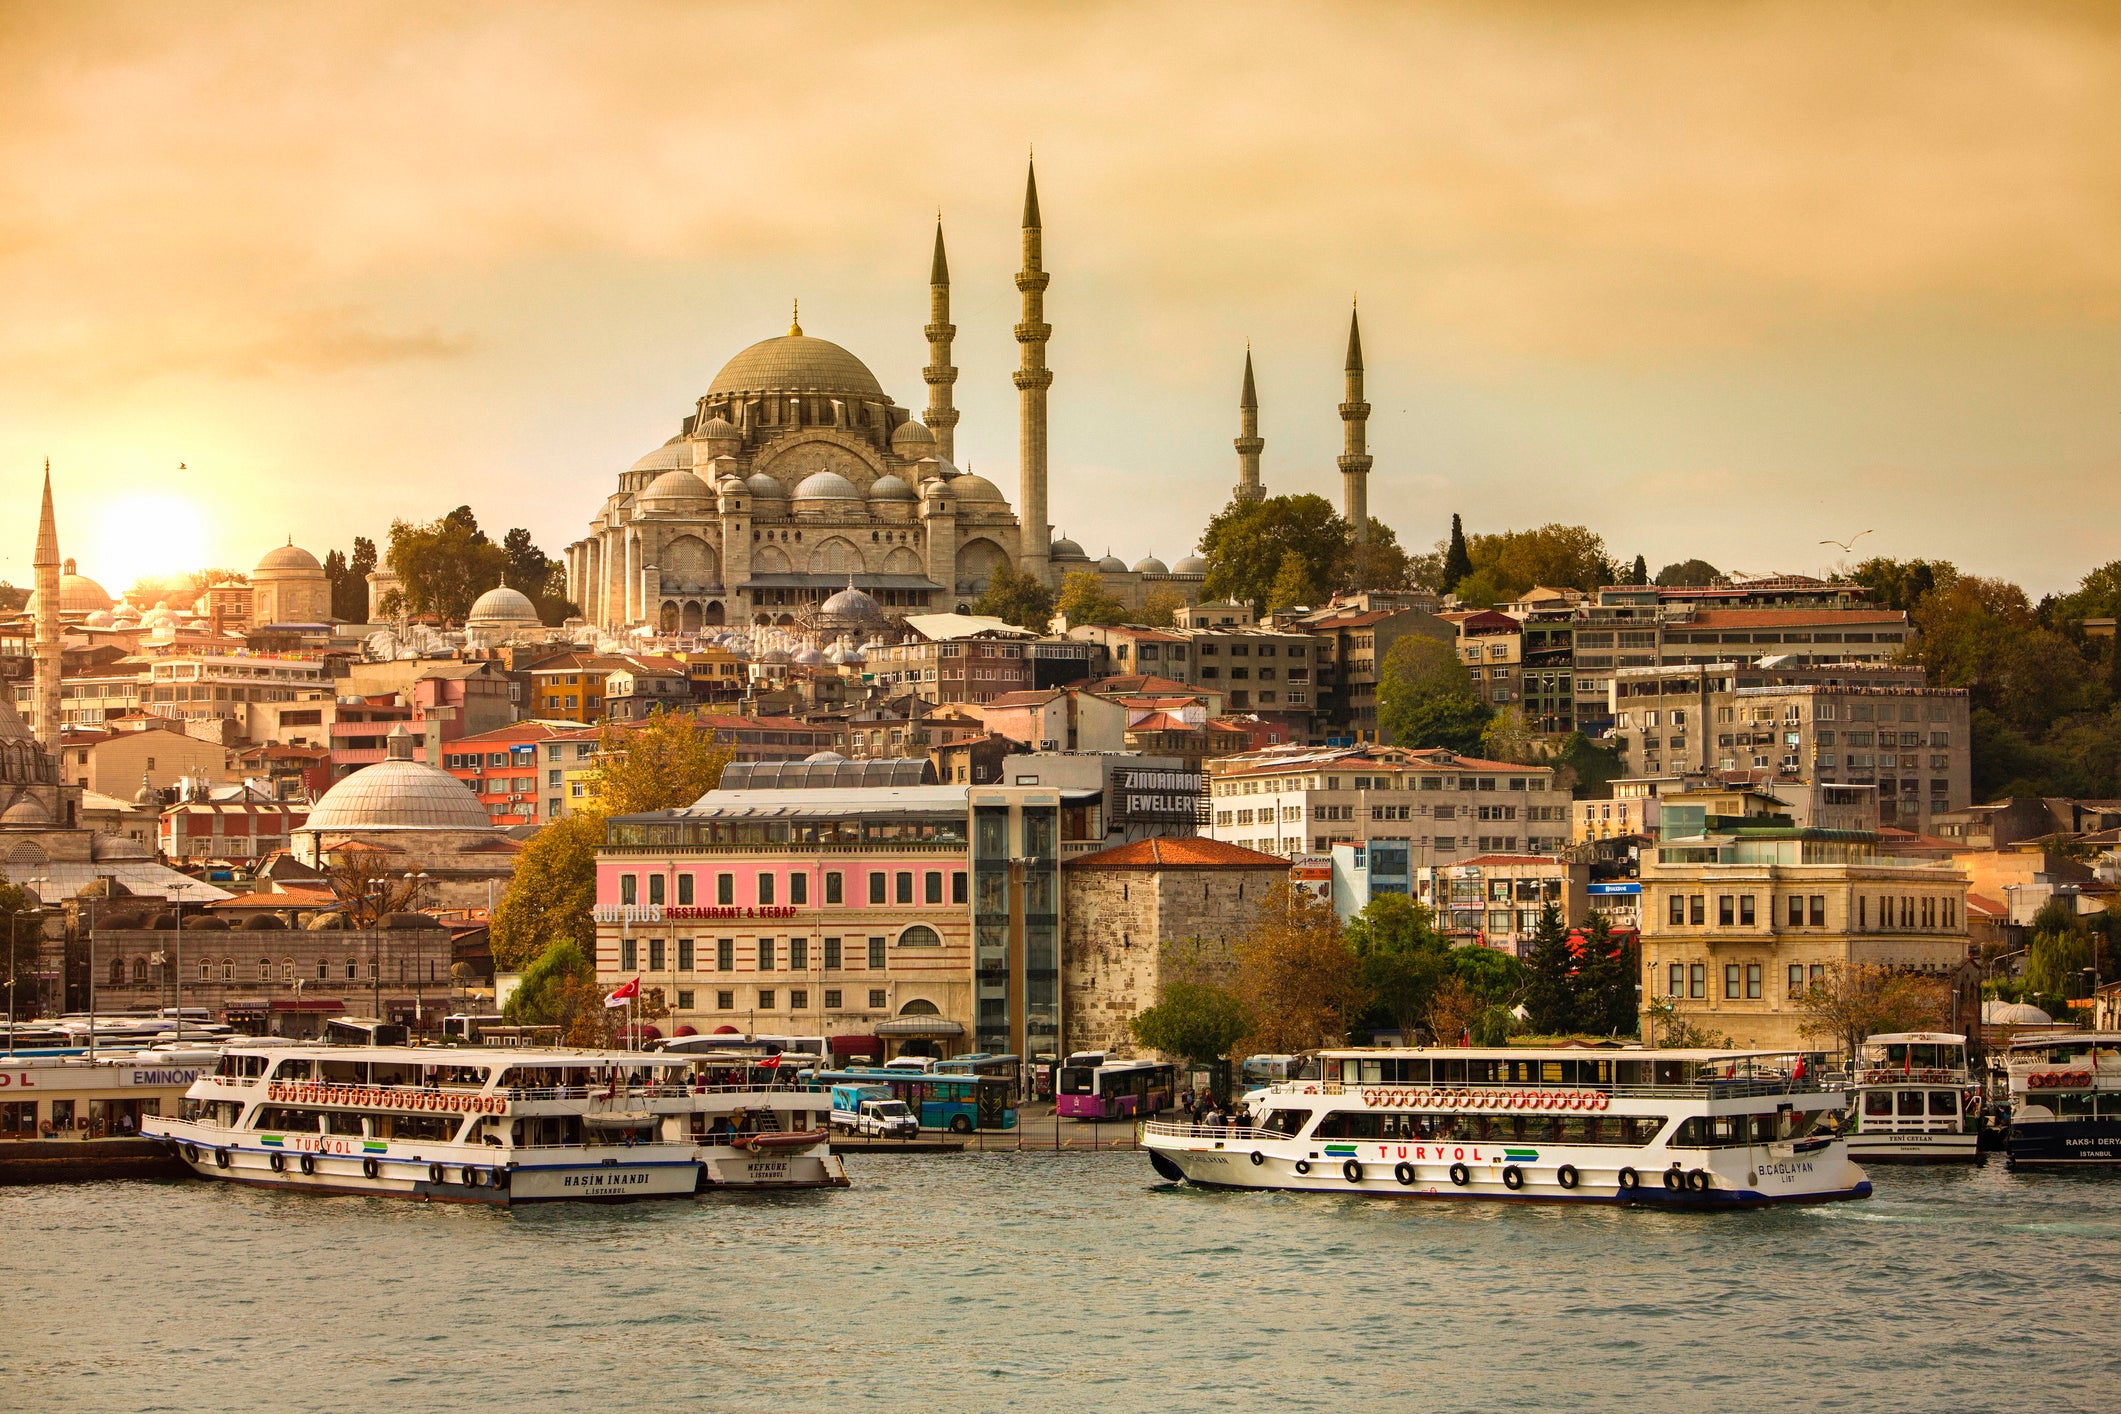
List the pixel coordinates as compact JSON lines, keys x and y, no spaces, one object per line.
{"x":1072,"y":1281}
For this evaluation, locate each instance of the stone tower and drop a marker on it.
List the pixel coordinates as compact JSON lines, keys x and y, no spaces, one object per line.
{"x":46,"y":565}
{"x":940,"y":415}
{"x":1354,"y":440}
{"x":1249,"y":443}
{"x":1033,"y":378}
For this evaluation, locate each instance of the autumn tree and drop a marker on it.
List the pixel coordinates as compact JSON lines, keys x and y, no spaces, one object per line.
{"x":445,"y":565}
{"x":1454,"y":1007}
{"x":1194,"y":1021}
{"x":1855,"y":999}
{"x":367,"y":887}
{"x":1296,"y":974}
{"x":1559,"y":556}
{"x":1015,"y":598}
{"x":670,"y":760}
{"x":1426,"y":696}
{"x":1084,"y":600}
{"x":1160,"y":608}
{"x":1293,"y":584}
{"x":1375,"y":563}
{"x":1247,"y":542}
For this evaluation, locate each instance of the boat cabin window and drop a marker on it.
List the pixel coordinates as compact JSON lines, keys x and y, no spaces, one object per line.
{"x":2077,"y":1106}
{"x":1877,"y":1103}
{"x":437,"y":1127}
{"x":292,"y":1068}
{"x":1944,"y":1102}
{"x":348,"y":1125}
{"x":1731,"y":1131}
{"x":1624,"y":1130}
{"x":1913,"y":1103}
{"x":1289,"y":1122}
{"x":239,"y":1064}
{"x":282,"y":1117}
{"x":460,"y":1075}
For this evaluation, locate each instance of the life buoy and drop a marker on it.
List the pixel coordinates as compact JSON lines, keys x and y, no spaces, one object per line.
{"x":309,"y":1163}
{"x":1352,"y":1170}
{"x":1258,"y":1158}
{"x":1405,"y":1174}
{"x":1513,"y":1177}
{"x":1674,"y":1180}
{"x":220,"y":1158}
{"x":1461,"y":1175}
{"x":1629,"y":1180}
{"x":434,"y":1173}
{"x":1698,"y":1181}
{"x":1602,"y":1098}
{"x":1303,"y":1165}
{"x":277,"y":1162}
{"x":1566,"y":1175}
{"x":370,"y":1168}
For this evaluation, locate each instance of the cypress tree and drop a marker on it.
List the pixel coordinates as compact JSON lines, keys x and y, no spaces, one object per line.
{"x":1641,"y":573}
{"x":1550,"y":982}
{"x":1457,"y":563}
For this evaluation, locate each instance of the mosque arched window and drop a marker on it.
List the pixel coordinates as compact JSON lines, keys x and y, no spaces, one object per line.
{"x":117,"y":972}
{"x":265,"y":969}
{"x":139,"y":972}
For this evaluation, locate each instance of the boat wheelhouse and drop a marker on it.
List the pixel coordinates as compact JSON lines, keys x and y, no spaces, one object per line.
{"x":2065,"y":1092}
{"x":1913,"y":1100}
{"x":1691,"y":1128}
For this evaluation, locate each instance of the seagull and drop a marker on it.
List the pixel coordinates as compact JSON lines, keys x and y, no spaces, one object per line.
{"x":1848,"y":547}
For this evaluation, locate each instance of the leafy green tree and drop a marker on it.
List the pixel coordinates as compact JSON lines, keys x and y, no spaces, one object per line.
{"x":1084,"y":600}
{"x":1292,"y":583}
{"x":1159,"y":608}
{"x":1688,"y":574}
{"x":1901,"y":584}
{"x":538,"y":576}
{"x":1639,"y":572}
{"x":1494,"y":976}
{"x":552,"y":892}
{"x":1195,"y":1021}
{"x":1983,"y":635}
{"x":1559,"y":556}
{"x":1015,"y":598}
{"x":1376,"y":563}
{"x":1403,"y":958}
{"x":1606,"y":988}
{"x":1484,"y":589}
{"x":559,"y":988}
{"x":1457,"y":560}
{"x":1246,"y":542}
{"x":2057,"y":968}
{"x":1509,"y":737}
{"x":1426,"y":697}
{"x":445,"y":565}
{"x":1593,"y":767}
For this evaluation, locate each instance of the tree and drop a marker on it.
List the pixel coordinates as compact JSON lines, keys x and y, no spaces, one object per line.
{"x":1688,"y":574}
{"x":538,"y":576}
{"x":1901,"y":584}
{"x":445,"y":565}
{"x":367,"y":886}
{"x":1160,"y":608}
{"x":1509,"y":737}
{"x":1457,"y":560}
{"x":1194,"y":1021}
{"x":1084,"y":600}
{"x":1296,"y":973}
{"x":551,"y":896}
{"x":1246,"y":542}
{"x":1559,"y":556}
{"x":1015,"y":598}
{"x":1426,"y":697}
{"x":1453,"y":1009}
{"x":1639,"y":572}
{"x":349,"y":580}
{"x":1403,"y":958}
{"x":1982,"y":635}
{"x":1292,"y":585}
{"x":1858,"y":999}
{"x":668,"y":761}
{"x":1606,"y":990}
{"x":1550,"y":972}
{"x":1376,"y":563}
{"x":559,"y":988}
{"x":2057,"y":966}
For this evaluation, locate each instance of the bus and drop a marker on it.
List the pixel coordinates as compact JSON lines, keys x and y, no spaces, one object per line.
{"x":1009,"y":1068}
{"x":1115,"y":1089}
{"x":958,"y":1103}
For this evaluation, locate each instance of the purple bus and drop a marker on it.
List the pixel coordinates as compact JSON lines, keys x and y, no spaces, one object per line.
{"x":1114,"y":1089}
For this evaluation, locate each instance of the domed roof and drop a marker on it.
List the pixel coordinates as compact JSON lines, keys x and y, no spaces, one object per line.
{"x":2002,"y":1013}
{"x":797,"y":363}
{"x":852,"y":603}
{"x":110,"y":849}
{"x":100,"y":619}
{"x":672,"y":454}
{"x":1112,"y":564}
{"x":826,"y":486}
{"x":677,"y":485}
{"x":808,"y":657}
{"x":25,"y":811}
{"x":1149,"y":564}
{"x":910,"y":438}
{"x":763,"y":485}
{"x":1191,"y":564}
{"x":719,"y":429}
{"x":970,"y":487}
{"x":78,"y":594}
{"x":398,"y":795}
{"x":286,"y":558}
{"x":1066,"y":549}
{"x":890,"y":488}
{"x":503,"y":606}
{"x":824,"y":756}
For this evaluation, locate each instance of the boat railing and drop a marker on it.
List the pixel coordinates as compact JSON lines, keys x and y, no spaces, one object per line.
{"x":1175,"y":1129}
{"x":1859,"y":1074}
{"x":1702,"y":1089}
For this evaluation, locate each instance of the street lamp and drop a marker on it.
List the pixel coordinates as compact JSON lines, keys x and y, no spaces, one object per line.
{"x":175,"y":894}
{"x":415,"y":883}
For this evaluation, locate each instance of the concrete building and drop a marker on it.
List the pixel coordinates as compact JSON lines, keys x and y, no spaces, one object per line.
{"x":956,"y":658}
{"x":520,"y":772}
{"x":1496,"y":899}
{"x":1058,"y":719}
{"x":154,"y":750}
{"x":1737,"y":925}
{"x":244,"y":827}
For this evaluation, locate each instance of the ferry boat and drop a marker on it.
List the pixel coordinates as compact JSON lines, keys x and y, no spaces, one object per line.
{"x":1678,"y":1128}
{"x":67,"y":1117}
{"x":2065,"y":1099}
{"x":1913,"y":1100}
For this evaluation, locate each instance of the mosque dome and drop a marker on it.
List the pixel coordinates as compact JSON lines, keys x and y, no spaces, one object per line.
{"x":100,"y":619}
{"x":890,"y":488}
{"x":826,"y":486}
{"x":970,"y":487}
{"x":797,"y":363}
{"x":113,"y":849}
{"x":763,"y":485}
{"x":1066,"y":549}
{"x":78,"y":594}
{"x":1994,"y":1012}
{"x":398,"y":794}
{"x":668,"y":457}
{"x":852,"y":603}
{"x":25,"y":813}
{"x":678,"y":485}
{"x":913,"y":441}
{"x":1149,"y":564}
{"x":502,"y":606}
{"x":23,"y":761}
{"x":287,"y":559}
{"x":719,"y":429}
{"x":807,"y":658}
{"x":1191,"y":564}
{"x":733,"y":485}
{"x":1112,"y":564}
{"x":161,"y":616}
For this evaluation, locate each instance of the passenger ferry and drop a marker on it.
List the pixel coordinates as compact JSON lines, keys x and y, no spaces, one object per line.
{"x":2065,"y":1099}
{"x":1682,"y":1128}
{"x":66,"y":1117}
{"x":1913,"y":1100}
{"x":495,"y":1126}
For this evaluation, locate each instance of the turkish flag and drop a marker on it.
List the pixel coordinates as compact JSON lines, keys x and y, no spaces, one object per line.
{"x":770,"y":1063}
{"x":624,"y":994}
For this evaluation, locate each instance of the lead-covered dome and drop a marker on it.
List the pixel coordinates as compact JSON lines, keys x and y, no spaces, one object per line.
{"x":797,"y":363}
{"x":398,"y":795}
{"x":287,"y":558}
{"x":1112,"y":564}
{"x":668,"y":457}
{"x":502,"y":606}
{"x":1192,"y":564}
{"x":1149,"y":564}
{"x":679,"y":485}
{"x":78,"y":594}
{"x":890,"y":488}
{"x":972,"y":487}
{"x":826,"y":486}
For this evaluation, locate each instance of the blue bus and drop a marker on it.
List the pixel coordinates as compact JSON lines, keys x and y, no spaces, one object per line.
{"x":1009,"y":1068}
{"x":958,"y":1103}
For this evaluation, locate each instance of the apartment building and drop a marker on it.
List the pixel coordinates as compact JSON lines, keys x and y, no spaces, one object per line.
{"x":1496,"y":899}
{"x":1271,"y":673}
{"x":1296,"y":800}
{"x":200,"y":686}
{"x":1491,"y":644}
{"x":1738,"y":925}
{"x":956,"y":658}
{"x":529,"y":773}
{"x":1353,"y":643}
{"x":570,"y":687}
{"x":245,"y":826}
{"x":151,"y":749}
{"x":642,"y":687}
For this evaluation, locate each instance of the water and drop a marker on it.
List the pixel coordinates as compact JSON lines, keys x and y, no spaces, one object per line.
{"x":1070,"y":1281}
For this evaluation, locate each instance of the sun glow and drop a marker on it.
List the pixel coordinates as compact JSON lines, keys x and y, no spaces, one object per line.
{"x":141,"y":535}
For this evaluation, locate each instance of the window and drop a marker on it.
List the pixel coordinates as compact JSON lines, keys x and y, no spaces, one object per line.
{"x":1697,"y":909}
{"x":920,"y":936}
{"x":1796,"y":980}
{"x":904,"y":879}
{"x":957,"y":886}
{"x":765,"y":954}
{"x":1752,"y":981}
{"x":1697,"y":983}
{"x":684,"y":999}
{"x":765,"y":890}
{"x":725,"y":954}
{"x":655,"y":954}
{"x":684,"y":890}
{"x":1675,"y":910}
{"x":876,"y":999}
{"x":876,"y":888}
{"x":765,"y":999}
{"x":655,"y":889}
{"x":725,"y":889}
{"x":876,"y":957}
{"x":1818,"y":902}
{"x":799,"y":998}
{"x":1730,"y":981}
{"x":799,"y":888}
{"x":932,"y":887}
{"x":629,"y":888}
{"x":725,"y":1001}
{"x":1794,"y":913}
{"x":834,"y":892}
{"x":1676,"y":983}
{"x":685,"y":957}
{"x":799,"y":956}
{"x":832,"y":960}
{"x":628,"y":954}
{"x":832,"y":999}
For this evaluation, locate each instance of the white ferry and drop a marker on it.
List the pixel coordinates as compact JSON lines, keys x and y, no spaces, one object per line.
{"x":1708,"y":1129}
{"x":2065,"y":1099}
{"x":756,"y":1123}
{"x":496,"y":1126}
{"x":1913,"y":1100}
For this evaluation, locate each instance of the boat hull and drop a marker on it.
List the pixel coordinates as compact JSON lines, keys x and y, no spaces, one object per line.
{"x":1495,"y":1173}
{"x":725,"y":1167}
{"x":2060,"y":1143}
{"x":1915,"y":1148}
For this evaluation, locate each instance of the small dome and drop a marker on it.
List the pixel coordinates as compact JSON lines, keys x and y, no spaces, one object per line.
{"x":807,"y":658}
{"x":502,"y":606}
{"x":113,"y":848}
{"x":1066,"y":549}
{"x":774,"y":655}
{"x":100,"y":619}
{"x":161,"y":616}
{"x":1149,"y":564}
{"x":1192,"y":564}
{"x":1993,"y":1011}
{"x":288,"y":558}
{"x":971,"y":487}
{"x":890,"y":488}
{"x":398,"y":795}
{"x":26,"y":811}
{"x":826,"y":486}
{"x":731,"y":485}
{"x":668,"y":457}
{"x":677,"y":485}
{"x":824,"y":756}
{"x":912,"y":441}
{"x":935,"y":488}
{"x":719,"y":429}
{"x":763,"y":485}
{"x":852,"y":603}
{"x":1112,"y":564}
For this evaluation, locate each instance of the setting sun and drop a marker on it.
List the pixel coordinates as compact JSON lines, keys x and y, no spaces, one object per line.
{"x":145,"y":534}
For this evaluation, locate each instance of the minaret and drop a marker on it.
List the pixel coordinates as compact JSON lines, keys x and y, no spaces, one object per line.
{"x":46,"y":565}
{"x":1354,"y":440}
{"x":1032,"y":380}
{"x":1249,"y":443}
{"x":940,"y":416}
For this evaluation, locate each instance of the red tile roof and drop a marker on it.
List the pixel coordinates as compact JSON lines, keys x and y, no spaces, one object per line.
{"x":1178,"y":852}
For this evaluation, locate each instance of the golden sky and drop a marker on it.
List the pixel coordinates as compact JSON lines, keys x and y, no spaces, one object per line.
{"x":1717,"y":279}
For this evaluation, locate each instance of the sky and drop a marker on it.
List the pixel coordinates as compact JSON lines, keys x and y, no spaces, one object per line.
{"x":1721,"y":279}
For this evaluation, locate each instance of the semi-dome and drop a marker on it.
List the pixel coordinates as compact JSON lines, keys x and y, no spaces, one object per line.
{"x":763,"y":485}
{"x":972,"y":487}
{"x":1149,"y":564}
{"x":1191,"y":564}
{"x":1112,"y":564}
{"x":288,"y":558}
{"x":1066,"y":549}
{"x":26,"y":812}
{"x":826,"y":486}
{"x":890,"y":488}
{"x":797,"y":363}
{"x":671,"y":455}
{"x":719,"y":429}
{"x":502,"y":606}
{"x":398,"y":794}
{"x":913,"y":441}
{"x":678,"y":485}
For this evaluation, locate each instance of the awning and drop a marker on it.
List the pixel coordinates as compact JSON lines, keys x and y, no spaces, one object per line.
{"x":920,"y":1026}
{"x":854,"y":1045}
